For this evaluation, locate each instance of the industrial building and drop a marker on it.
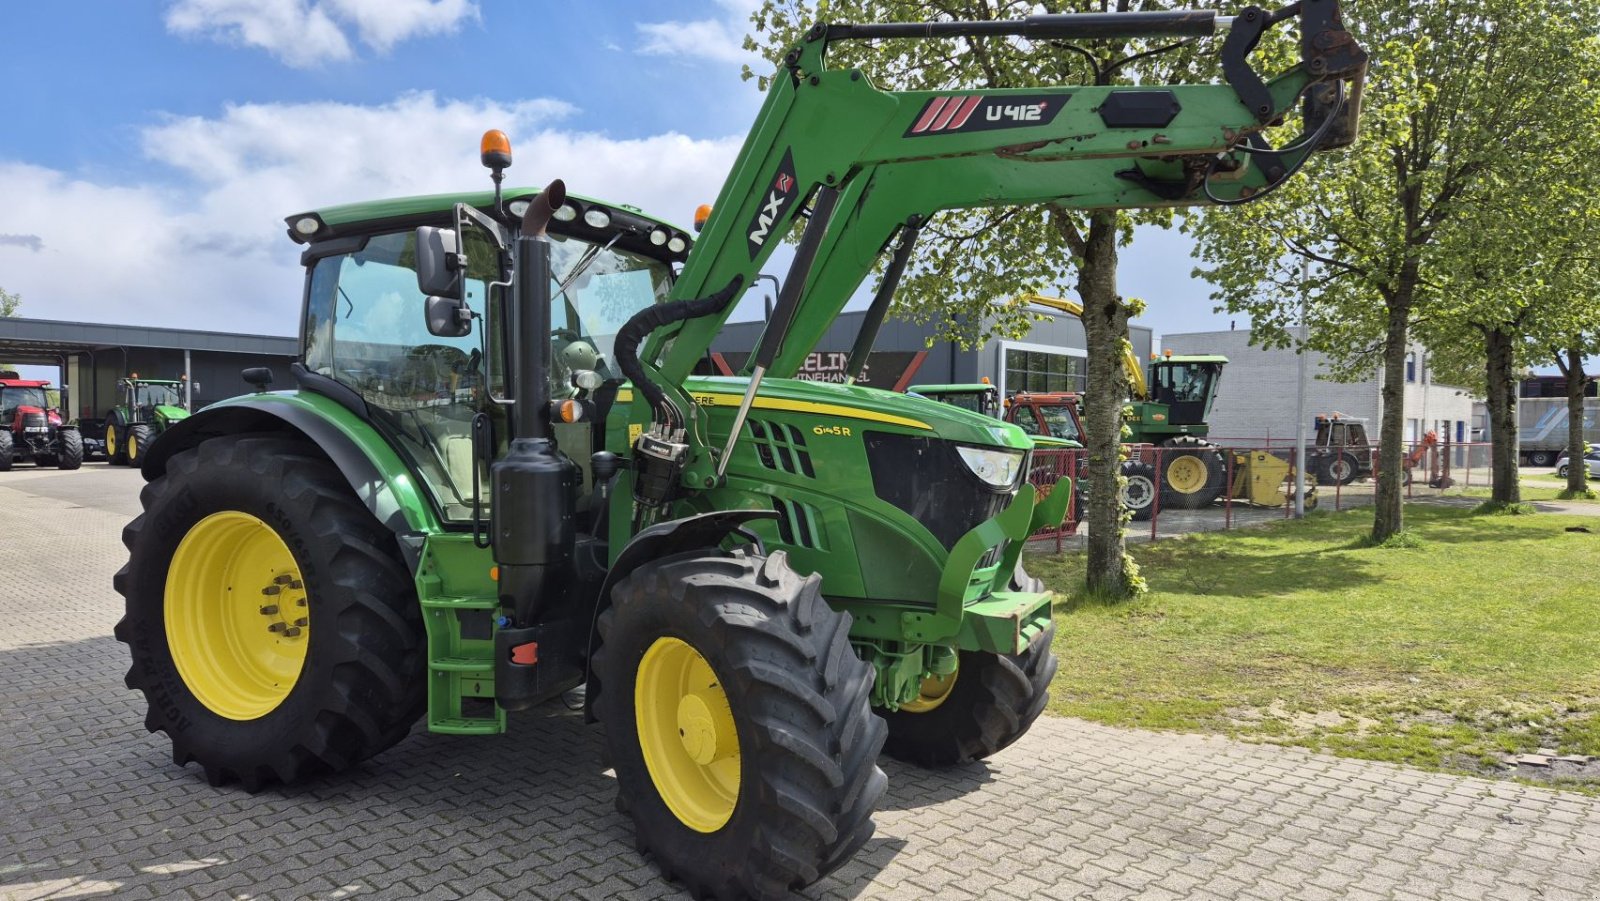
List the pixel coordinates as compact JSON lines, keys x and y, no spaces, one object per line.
{"x":91,"y":356}
{"x":1257,"y":395}
{"x":1053,"y":357}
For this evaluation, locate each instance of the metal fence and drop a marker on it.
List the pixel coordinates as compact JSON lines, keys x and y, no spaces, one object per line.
{"x":1248,"y":481}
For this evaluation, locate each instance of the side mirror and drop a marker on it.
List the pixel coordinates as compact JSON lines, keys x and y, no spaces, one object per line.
{"x":440,"y":263}
{"x":448,"y":317}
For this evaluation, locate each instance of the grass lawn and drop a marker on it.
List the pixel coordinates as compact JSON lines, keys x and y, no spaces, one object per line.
{"x":1482,"y":640}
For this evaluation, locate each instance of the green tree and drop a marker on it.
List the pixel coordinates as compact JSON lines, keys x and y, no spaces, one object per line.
{"x":970,"y":263}
{"x":1458,"y":104}
{"x":9,"y":303}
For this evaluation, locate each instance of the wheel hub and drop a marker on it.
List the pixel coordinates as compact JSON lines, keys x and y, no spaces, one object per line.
{"x":1186,"y":474}
{"x":237,"y":615}
{"x":687,"y":734}
{"x":704,"y":733}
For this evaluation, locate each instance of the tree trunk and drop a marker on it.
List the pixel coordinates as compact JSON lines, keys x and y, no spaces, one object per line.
{"x":1502,"y":397}
{"x":1105,"y":325}
{"x":1388,"y":516}
{"x":1577,"y":467}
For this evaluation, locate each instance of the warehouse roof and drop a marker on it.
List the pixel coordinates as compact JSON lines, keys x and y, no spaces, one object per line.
{"x":21,"y":338}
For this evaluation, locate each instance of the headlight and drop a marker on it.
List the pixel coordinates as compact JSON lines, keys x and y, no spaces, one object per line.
{"x":997,"y":468}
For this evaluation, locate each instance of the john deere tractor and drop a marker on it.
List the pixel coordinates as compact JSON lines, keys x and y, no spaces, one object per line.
{"x":145,"y":408}
{"x":492,"y":478}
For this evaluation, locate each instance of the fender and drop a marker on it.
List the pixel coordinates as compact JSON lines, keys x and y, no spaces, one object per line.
{"x":378,"y":476}
{"x":663,"y":539}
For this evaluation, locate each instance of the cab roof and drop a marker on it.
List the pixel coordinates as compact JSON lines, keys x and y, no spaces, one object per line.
{"x":23,"y":383}
{"x":1193,"y":358}
{"x":633,"y":223}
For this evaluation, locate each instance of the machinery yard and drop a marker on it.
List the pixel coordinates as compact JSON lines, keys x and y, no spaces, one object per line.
{"x":92,"y":806}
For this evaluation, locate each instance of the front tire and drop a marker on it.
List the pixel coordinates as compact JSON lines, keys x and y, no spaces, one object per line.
{"x":737,"y":719}
{"x":990,"y":702}
{"x":7,"y":449}
{"x":1561,"y":473}
{"x":71,"y":456}
{"x":1139,"y":494}
{"x":1341,"y":470}
{"x":273,"y":629}
{"x":138,"y":443}
{"x":1540,"y":458}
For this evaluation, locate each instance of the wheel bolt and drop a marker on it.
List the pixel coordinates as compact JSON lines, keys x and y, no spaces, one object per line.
{"x":284,"y":579}
{"x":275,"y":627}
{"x":299,"y":602}
{"x":271,"y":589}
{"x":291,"y":632}
{"x":269,"y":610}
{"x":302,"y":621}
{"x":297,"y":585}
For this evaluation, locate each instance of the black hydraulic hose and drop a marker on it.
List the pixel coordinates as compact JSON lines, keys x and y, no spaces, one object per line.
{"x":880,"y":302}
{"x":625,"y":349}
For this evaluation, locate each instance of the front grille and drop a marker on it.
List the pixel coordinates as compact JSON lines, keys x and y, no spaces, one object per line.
{"x":781,"y":447}
{"x":35,"y":422}
{"x":927,"y":479}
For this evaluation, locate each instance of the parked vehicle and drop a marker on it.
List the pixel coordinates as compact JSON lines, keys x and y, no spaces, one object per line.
{"x":145,"y":409}
{"x":31,"y":428}
{"x":1591,"y":459}
{"x":1542,"y":427}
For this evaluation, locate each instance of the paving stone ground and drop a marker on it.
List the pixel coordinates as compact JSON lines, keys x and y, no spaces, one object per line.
{"x":91,"y":806}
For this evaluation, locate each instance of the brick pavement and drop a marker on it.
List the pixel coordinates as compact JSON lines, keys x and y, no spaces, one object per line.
{"x":91,"y":806}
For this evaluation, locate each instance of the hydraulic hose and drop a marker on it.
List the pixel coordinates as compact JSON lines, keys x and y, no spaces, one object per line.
{"x":641,"y":324}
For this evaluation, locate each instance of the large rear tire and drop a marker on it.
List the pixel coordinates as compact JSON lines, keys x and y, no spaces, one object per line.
{"x":990,"y":702}
{"x":274,"y":630}
{"x":1193,"y":473}
{"x":7,"y":449}
{"x":1340,"y":469}
{"x":71,"y":456}
{"x":737,"y":719}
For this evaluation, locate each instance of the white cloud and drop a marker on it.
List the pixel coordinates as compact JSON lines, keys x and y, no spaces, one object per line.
{"x":212,"y":253}
{"x":305,"y":33}
{"x":719,"y":39}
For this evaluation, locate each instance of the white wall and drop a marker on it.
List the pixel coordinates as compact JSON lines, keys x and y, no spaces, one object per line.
{"x":1257,"y":396}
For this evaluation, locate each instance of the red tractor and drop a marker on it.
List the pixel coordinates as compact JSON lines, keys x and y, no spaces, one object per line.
{"x":31,"y":430}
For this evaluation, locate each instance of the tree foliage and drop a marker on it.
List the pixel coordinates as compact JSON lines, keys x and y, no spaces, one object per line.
{"x":1420,"y":225}
{"x":9,"y":303}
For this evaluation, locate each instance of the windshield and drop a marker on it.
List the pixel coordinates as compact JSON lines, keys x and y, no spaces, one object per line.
{"x":365,"y":328}
{"x":12,"y":398}
{"x":1183,"y":382}
{"x":1058,"y":420}
{"x":146,"y":395}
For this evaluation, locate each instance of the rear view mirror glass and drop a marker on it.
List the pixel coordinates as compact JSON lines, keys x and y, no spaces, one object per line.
{"x":448,"y":317}
{"x":439,"y":263}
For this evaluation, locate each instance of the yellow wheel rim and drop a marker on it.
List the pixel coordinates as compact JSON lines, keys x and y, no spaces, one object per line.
{"x":237,"y":615}
{"x":687,"y":734}
{"x":111,"y":441}
{"x":934,"y":691}
{"x":133,"y":446}
{"x":1186,"y":474}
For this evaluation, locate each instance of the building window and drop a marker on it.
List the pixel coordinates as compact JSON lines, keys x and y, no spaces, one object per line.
{"x":1411,"y":367}
{"x":1038,"y":370}
{"x":1411,"y":432}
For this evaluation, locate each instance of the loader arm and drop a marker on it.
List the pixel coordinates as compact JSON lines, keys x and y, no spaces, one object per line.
{"x":871,"y":161}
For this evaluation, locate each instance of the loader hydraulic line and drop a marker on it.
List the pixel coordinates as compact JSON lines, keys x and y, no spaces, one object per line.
{"x":880,"y":301}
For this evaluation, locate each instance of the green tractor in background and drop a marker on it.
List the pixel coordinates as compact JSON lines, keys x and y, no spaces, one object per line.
{"x":495,"y":478}
{"x":145,"y":408}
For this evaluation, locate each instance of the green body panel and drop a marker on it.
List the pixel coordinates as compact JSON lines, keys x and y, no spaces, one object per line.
{"x":399,"y":489}
{"x":166,"y":415}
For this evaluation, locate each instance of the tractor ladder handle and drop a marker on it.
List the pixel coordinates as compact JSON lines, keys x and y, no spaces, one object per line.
{"x":1059,"y":26}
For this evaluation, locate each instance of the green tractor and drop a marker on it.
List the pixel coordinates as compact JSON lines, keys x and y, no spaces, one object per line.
{"x":145,"y":408}
{"x":494,"y":479}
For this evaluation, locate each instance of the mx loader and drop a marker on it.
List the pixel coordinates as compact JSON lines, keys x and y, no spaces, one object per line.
{"x":494,"y":478}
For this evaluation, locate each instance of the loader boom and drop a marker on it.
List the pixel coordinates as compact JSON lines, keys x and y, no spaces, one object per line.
{"x":866,"y":163}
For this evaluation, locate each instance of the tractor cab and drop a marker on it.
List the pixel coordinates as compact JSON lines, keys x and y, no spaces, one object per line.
{"x":1050,"y":418}
{"x":979,"y":397}
{"x":1335,"y":430}
{"x":1186,"y":385}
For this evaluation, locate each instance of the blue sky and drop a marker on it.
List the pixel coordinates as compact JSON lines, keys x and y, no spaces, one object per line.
{"x":152,"y":149}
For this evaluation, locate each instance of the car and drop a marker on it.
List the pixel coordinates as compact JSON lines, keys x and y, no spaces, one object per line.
{"x":1592,"y":459}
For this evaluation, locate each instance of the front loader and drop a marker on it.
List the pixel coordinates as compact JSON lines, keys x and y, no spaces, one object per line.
{"x":495,"y":479}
